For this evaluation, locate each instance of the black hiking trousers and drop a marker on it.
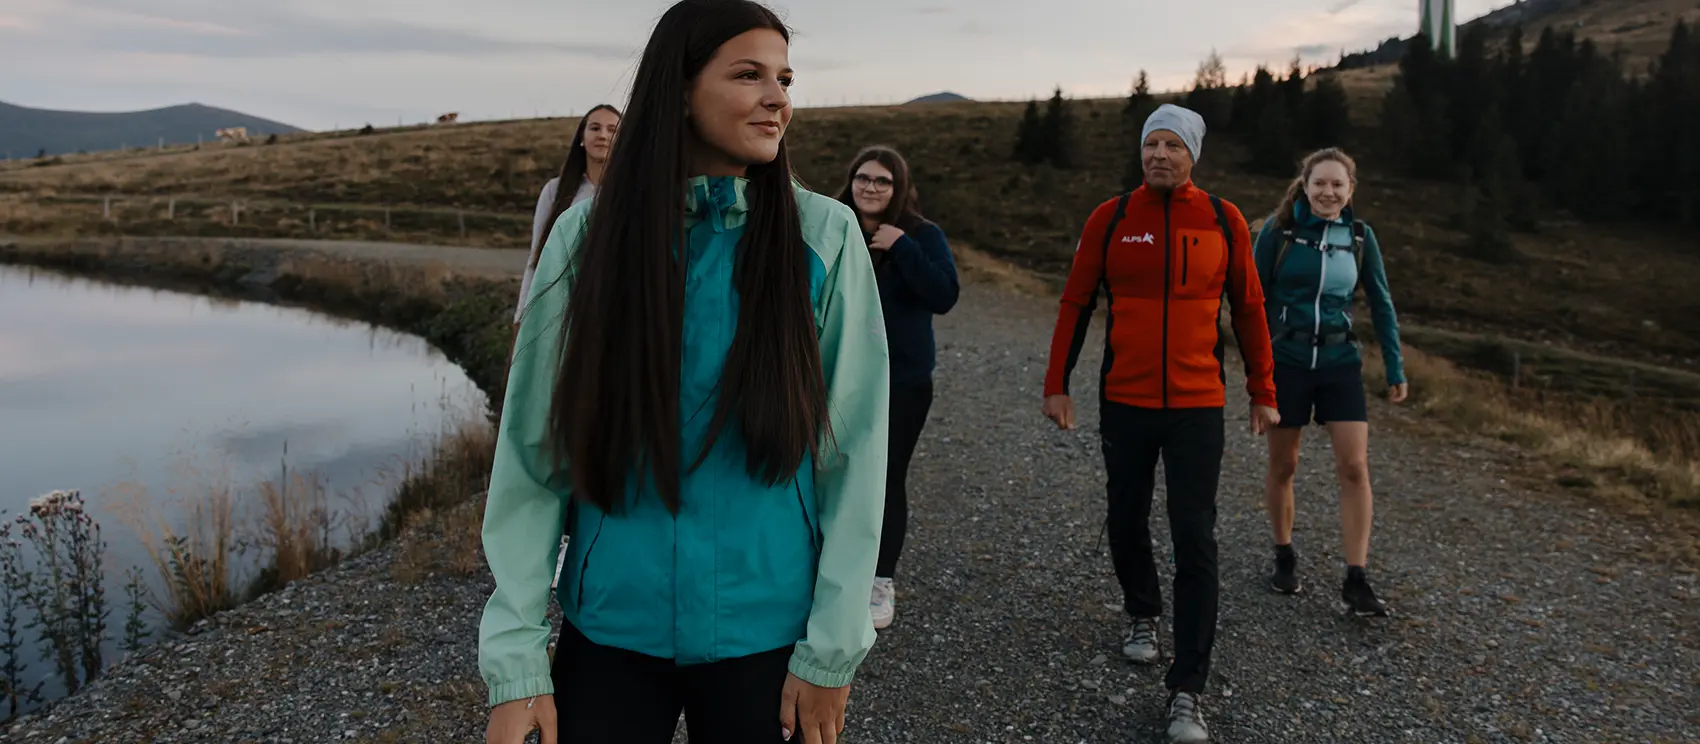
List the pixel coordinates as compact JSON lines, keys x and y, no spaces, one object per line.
{"x":1190,"y":441}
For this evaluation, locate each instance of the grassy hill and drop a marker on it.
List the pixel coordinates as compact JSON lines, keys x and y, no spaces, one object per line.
{"x":1621,"y":290}
{"x":26,"y":131}
{"x":1564,"y":321}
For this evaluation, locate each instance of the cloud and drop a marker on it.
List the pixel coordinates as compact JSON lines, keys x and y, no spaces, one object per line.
{"x":1344,"y":6}
{"x":272,"y":30}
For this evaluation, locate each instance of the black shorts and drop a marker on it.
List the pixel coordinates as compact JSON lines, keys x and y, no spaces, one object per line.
{"x":1324,"y":395}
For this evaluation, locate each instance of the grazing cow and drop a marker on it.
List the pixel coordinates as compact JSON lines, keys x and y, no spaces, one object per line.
{"x":449,"y":118}
{"x":232,"y":134}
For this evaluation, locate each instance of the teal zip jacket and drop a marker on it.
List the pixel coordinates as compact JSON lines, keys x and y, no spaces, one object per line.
{"x":1313,"y":292}
{"x":743,"y":568}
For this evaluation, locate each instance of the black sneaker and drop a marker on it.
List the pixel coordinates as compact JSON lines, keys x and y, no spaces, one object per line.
{"x":1286,"y":578}
{"x":1360,"y":599}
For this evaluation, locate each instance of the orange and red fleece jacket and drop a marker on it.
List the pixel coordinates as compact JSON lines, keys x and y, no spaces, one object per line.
{"x":1165,"y":270}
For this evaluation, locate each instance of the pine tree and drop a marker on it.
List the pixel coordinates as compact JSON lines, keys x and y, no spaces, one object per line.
{"x":1272,"y":141}
{"x":1056,"y":132}
{"x":1027,"y":146}
{"x":1209,"y":95}
{"x":1140,"y":102}
{"x":1293,"y":88}
{"x":1327,"y":116}
{"x":1239,"y":109}
{"x":1670,"y":175}
{"x":1591,"y":158}
{"x":1470,"y":90}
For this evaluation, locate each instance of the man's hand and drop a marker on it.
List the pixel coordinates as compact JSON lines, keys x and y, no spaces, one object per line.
{"x":815,"y":712}
{"x":510,"y":722}
{"x":884,"y":238}
{"x":1060,"y":409}
{"x":1263,"y":418}
{"x":1399,"y":392}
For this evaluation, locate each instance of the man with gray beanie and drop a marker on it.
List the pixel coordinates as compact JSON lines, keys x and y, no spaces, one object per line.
{"x":1165,"y":256}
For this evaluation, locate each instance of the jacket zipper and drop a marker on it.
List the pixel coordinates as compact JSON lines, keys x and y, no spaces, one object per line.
{"x":1316,"y":337}
{"x":1168,"y":281}
{"x":584,"y":567}
{"x":810,"y":526}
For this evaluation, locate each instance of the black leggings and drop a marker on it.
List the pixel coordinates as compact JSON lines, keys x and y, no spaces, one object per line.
{"x":909,"y":407}
{"x":612,"y":696}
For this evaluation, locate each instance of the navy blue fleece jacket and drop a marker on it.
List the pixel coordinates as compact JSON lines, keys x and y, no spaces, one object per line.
{"x":917,"y":280}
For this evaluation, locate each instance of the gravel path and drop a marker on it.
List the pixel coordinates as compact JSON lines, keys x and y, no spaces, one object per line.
{"x":1519,"y":616}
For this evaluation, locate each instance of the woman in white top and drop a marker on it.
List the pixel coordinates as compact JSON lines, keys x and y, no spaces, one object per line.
{"x":582,"y":172}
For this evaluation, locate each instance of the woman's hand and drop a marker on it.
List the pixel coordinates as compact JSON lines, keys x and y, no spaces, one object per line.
{"x":815,"y":712}
{"x":511,"y":721}
{"x":1399,"y":392}
{"x":884,"y":238}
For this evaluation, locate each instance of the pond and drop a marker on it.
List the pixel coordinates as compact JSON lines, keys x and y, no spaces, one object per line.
{"x":148,"y":400}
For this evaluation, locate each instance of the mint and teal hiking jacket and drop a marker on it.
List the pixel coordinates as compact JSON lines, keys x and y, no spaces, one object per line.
{"x":743,"y":568}
{"x":1312,"y":292}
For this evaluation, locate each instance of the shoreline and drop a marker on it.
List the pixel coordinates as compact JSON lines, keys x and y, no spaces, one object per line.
{"x":463,"y":314}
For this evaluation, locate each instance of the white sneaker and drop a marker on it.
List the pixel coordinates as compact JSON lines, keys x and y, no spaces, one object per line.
{"x":883,"y":602}
{"x":1141,"y":644}
{"x":1186,"y":721}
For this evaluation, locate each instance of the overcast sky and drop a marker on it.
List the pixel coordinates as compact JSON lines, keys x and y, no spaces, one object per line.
{"x":324,"y":63}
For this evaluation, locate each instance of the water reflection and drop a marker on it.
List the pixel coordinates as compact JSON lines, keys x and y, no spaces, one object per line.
{"x":138,"y":394}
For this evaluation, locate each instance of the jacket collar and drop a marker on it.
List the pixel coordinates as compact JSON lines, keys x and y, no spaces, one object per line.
{"x":1184,"y":192}
{"x":718,"y":200}
{"x":1303,"y":217}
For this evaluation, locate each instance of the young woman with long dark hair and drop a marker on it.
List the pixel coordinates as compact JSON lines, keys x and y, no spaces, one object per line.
{"x":917,"y":278}
{"x":698,"y":398}
{"x":1312,"y":256}
{"x":587,"y":159}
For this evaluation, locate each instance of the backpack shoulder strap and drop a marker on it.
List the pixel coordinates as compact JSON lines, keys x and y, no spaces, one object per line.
{"x":1109,"y":234}
{"x":1358,"y":231}
{"x":1281,"y":253}
{"x":1222,"y":222}
{"x":1227,"y":238}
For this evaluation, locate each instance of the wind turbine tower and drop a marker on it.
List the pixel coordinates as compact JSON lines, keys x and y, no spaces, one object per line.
{"x":1440,"y":22}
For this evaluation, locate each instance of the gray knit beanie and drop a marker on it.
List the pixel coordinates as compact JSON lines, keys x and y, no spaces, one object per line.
{"x":1182,"y":121}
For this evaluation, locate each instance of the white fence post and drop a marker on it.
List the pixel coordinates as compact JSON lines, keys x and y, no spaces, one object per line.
{"x":312,"y":220}
{"x":171,"y":209}
{"x":462,"y":218}
{"x":106,"y":208}
{"x":235,"y":213}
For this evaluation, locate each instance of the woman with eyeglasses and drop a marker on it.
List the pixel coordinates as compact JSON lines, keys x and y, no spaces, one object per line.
{"x":917,"y":280}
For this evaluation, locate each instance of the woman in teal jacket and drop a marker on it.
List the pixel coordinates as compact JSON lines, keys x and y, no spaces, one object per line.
{"x":1312,"y":254}
{"x":699,"y":395}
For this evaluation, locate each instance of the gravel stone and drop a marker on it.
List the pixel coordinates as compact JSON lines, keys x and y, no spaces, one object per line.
{"x":1519,"y":615}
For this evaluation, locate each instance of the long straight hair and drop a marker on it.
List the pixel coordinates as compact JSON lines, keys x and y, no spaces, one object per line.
{"x":616,"y":411}
{"x":904,"y":210}
{"x":571,"y":177}
{"x":1296,"y":190}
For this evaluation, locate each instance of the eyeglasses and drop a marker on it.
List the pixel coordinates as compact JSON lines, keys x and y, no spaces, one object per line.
{"x":881,"y":183}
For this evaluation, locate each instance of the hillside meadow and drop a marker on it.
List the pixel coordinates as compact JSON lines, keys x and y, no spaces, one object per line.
{"x":1594,"y":295}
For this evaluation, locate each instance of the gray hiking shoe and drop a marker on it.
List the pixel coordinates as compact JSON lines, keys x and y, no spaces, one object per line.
{"x":1141,"y":645}
{"x":1186,"y":720}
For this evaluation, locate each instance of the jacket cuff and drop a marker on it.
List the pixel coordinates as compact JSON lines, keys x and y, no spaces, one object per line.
{"x":808,"y":672}
{"x":1264,"y":399}
{"x":524,"y":688}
